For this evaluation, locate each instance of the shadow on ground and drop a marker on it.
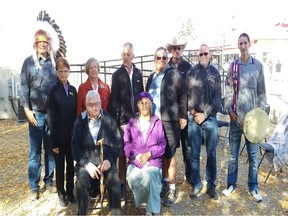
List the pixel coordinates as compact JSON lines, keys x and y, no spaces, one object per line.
{"x":14,"y":188}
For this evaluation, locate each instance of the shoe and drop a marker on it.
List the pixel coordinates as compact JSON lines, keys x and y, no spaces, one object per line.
{"x":93,"y":193}
{"x":34,"y":195}
{"x":148,"y":213}
{"x":228,"y":191}
{"x":63,"y":202}
{"x":256,"y":196}
{"x":195,"y":192}
{"x":171,"y":197}
{"x":71,"y":198}
{"x":51,"y":188}
{"x":212,"y":193}
{"x":165,"y":189}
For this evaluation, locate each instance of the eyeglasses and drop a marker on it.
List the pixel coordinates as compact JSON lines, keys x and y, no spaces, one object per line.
{"x":205,"y":54}
{"x":245,"y":43}
{"x":93,"y":105}
{"x":176,"y":48}
{"x":163,"y":58}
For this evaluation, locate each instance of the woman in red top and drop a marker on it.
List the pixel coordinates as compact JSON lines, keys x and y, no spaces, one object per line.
{"x":92,"y":68}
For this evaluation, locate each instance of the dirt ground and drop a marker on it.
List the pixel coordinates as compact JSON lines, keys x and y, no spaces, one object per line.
{"x":14,"y":188}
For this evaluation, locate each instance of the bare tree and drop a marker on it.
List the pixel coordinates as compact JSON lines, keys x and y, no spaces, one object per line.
{"x":187,"y":30}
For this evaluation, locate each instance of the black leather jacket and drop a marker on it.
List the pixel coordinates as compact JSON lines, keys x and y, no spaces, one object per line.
{"x":172,"y":95}
{"x":121,"y":107}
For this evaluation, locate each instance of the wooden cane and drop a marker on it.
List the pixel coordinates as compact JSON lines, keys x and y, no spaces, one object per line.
{"x":100,"y":143}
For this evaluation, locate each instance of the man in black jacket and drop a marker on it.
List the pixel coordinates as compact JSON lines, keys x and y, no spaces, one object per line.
{"x":176,"y":47}
{"x":127,"y":83}
{"x":204,"y":101}
{"x":167,"y":87}
{"x":90,"y":127}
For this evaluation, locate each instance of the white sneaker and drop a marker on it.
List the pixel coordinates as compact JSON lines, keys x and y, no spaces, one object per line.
{"x":256,"y":196}
{"x":148,"y":213}
{"x":227,"y":192}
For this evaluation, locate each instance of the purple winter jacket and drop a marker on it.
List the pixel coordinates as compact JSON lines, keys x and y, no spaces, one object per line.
{"x":155,"y":142}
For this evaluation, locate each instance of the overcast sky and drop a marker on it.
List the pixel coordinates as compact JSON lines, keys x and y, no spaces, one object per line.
{"x":99,"y":28}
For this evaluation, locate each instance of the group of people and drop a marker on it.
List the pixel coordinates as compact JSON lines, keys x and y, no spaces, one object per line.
{"x":278,"y":67}
{"x":136,"y":130}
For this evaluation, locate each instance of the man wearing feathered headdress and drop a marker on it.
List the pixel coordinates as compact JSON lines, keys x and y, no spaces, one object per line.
{"x":38,"y":76}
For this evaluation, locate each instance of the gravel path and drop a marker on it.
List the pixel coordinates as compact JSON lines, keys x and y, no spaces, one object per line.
{"x":14,"y":188}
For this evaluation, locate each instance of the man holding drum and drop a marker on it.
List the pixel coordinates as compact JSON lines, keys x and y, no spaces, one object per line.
{"x":245,"y":90}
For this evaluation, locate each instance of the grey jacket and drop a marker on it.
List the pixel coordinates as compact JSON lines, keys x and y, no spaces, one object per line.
{"x":252,"y":91}
{"x":36,"y":84}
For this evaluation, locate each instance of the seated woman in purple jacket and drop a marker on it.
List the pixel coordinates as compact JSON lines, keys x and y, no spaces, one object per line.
{"x":144,"y":146}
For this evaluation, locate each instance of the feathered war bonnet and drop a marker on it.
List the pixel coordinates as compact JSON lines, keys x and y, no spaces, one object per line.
{"x":47,"y":30}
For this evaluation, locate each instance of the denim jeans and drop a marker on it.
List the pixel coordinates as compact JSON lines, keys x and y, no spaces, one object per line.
{"x":37,"y":135}
{"x":235,"y":135}
{"x":209,"y":130}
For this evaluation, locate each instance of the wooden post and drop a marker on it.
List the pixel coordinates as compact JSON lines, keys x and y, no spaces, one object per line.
{"x":100,"y":143}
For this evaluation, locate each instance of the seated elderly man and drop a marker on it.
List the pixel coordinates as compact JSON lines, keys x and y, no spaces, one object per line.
{"x":90,"y":127}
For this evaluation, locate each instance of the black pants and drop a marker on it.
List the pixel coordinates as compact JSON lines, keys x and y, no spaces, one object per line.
{"x":185,"y":152}
{"x":172,"y":135}
{"x":84,"y":183}
{"x":64,"y":154}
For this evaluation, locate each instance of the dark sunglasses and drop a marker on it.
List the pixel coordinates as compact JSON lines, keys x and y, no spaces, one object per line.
{"x":176,"y":48}
{"x":205,"y":54}
{"x":163,"y":58}
{"x":245,"y":42}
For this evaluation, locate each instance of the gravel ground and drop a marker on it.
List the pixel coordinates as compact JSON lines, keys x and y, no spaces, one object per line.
{"x":14,"y":188}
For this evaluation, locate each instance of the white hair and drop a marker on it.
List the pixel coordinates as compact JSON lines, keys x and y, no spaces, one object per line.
{"x":92,"y":94}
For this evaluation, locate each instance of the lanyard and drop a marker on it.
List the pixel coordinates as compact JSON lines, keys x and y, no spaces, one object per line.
{"x":236,"y":84}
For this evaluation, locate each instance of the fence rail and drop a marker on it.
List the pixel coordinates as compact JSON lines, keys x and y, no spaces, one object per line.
{"x":144,"y":63}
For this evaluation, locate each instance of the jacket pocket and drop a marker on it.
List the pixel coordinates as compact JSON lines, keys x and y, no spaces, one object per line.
{"x":252,"y":84}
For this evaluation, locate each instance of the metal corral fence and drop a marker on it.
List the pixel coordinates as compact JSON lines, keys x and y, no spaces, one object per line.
{"x":78,"y":75}
{"x":144,"y":63}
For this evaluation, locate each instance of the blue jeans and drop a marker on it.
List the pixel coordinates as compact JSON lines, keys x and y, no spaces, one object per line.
{"x":209,"y":130}
{"x":37,"y":135}
{"x":252,"y":150}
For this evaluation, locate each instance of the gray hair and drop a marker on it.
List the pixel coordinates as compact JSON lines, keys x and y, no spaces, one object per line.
{"x":204,"y":45}
{"x":92,"y":94}
{"x":89,"y":62}
{"x":129,"y":46}
{"x":158,"y":49}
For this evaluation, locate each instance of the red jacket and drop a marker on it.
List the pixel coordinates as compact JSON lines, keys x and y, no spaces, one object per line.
{"x":103,"y":90}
